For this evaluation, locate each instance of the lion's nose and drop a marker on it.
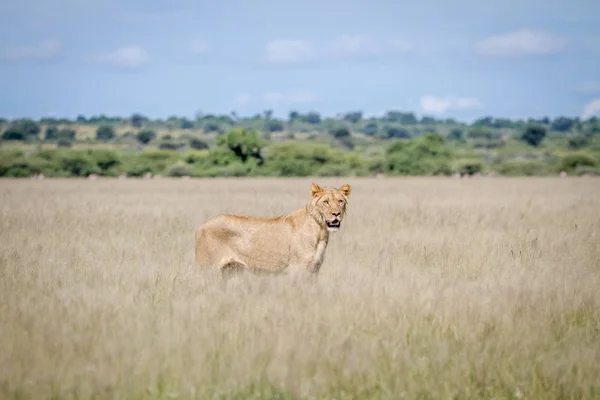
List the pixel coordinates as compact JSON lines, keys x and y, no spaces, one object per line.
{"x":335,"y":214}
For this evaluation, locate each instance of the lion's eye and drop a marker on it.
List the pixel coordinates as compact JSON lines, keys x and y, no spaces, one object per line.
{"x":326,"y":202}
{"x":341,"y":201}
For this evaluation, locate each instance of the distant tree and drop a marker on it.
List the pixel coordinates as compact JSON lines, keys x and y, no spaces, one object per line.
{"x":186,"y":124}
{"x":502,"y":123}
{"x":211,"y":126}
{"x":354,"y":117}
{"x":404,"y":118}
{"x":480,"y":132}
{"x":244,"y":143}
{"x":456,"y":134}
{"x":294,"y":115}
{"x":274,"y":125}
{"x":268,"y":114}
{"x":29,"y":127}
{"x":105,"y":133}
{"x":485,"y":121}
{"x":14,"y":133}
{"x":198,"y":144}
{"x":533,"y":134}
{"x":577,"y":142}
{"x":169,"y":145}
{"x":137,"y":120}
{"x":396,"y":132}
{"x":428,"y":120}
{"x":563,"y":124}
{"x":146,"y":136}
{"x":371,"y":128}
{"x":339,"y":132}
{"x":51,"y":132}
{"x":81,"y":119}
{"x":64,"y":143}
{"x":313,"y":118}
{"x":66,"y":133}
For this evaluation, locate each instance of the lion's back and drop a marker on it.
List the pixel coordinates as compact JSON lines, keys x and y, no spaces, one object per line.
{"x":262,"y":242}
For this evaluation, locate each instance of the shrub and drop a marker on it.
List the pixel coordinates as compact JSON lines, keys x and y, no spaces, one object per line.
{"x":571,"y":162}
{"x":77,"y":163}
{"x":145,"y":136}
{"x":198,"y":144}
{"x":294,"y":159}
{"x":105,"y":133}
{"x":178,"y":169}
{"x":424,"y":155}
{"x":153,"y":161}
{"x":396,"y":132}
{"x":332,"y":170}
{"x":14,"y":133}
{"x":521,"y":167}
{"x":64,"y":143}
{"x":577,"y":142}
{"x":169,"y":145}
{"x":533,"y":134}
{"x":456,"y":134}
{"x":340,"y":132}
{"x":371,"y":128}
{"x":105,"y":159}
{"x":587,"y":170}
{"x":468,"y":166}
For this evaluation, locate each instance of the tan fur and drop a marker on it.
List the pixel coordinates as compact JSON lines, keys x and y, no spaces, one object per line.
{"x":295,"y":242}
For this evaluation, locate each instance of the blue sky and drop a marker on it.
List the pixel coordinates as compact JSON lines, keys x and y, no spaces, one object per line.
{"x":461,"y":59}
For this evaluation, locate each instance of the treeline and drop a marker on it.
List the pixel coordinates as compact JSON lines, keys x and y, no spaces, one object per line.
{"x":398,"y":143}
{"x":393,"y":124}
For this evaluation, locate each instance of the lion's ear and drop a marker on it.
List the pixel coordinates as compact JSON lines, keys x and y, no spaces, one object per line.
{"x":345,"y":190}
{"x":315,"y":189}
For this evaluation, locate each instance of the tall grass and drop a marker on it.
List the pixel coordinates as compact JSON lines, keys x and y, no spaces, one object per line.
{"x":433,"y":288}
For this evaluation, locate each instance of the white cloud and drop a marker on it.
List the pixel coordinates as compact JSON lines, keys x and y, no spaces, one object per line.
{"x":290,"y":51}
{"x":199,"y":46}
{"x":439,"y":105}
{"x":124,"y":57}
{"x":297,"y":97}
{"x":242,"y":99}
{"x":588,"y":87}
{"x":521,"y":42}
{"x":591,"y":109}
{"x":43,"y":50}
{"x":352,"y":45}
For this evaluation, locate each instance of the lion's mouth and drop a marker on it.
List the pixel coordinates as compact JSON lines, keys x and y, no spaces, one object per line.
{"x":333,"y":224}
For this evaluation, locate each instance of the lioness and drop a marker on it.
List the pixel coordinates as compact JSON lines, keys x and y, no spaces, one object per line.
{"x":295,"y":242}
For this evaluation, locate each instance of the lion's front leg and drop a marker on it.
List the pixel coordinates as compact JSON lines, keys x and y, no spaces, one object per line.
{"x":304,"y":271}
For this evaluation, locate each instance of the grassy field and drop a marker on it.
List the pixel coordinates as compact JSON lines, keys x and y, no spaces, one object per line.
{"x":434,"y":288}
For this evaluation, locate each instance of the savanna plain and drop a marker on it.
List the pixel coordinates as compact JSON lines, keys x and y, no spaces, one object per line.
{"x":434,"y":288}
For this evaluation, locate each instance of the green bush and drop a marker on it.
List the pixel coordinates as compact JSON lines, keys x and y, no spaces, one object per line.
{"x":521,"y":167}
{"x":178,"y":169}
{"x":64,"y":143}
{"x":424,"y":155}
{"x":14,"y":133}
{"x":571,"y":162}
{"x":145,"y":136}
{"x":105,"y":133}
{"x":300,"y":159}
{"x":468,"y":166}
{"x":198,"y":144}
{"x":153,"y":161}
{"x":104,"y":158}
{"x":587,"y":170}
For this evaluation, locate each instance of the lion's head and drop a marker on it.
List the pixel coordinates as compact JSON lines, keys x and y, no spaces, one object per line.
{"x":329,"y":204}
